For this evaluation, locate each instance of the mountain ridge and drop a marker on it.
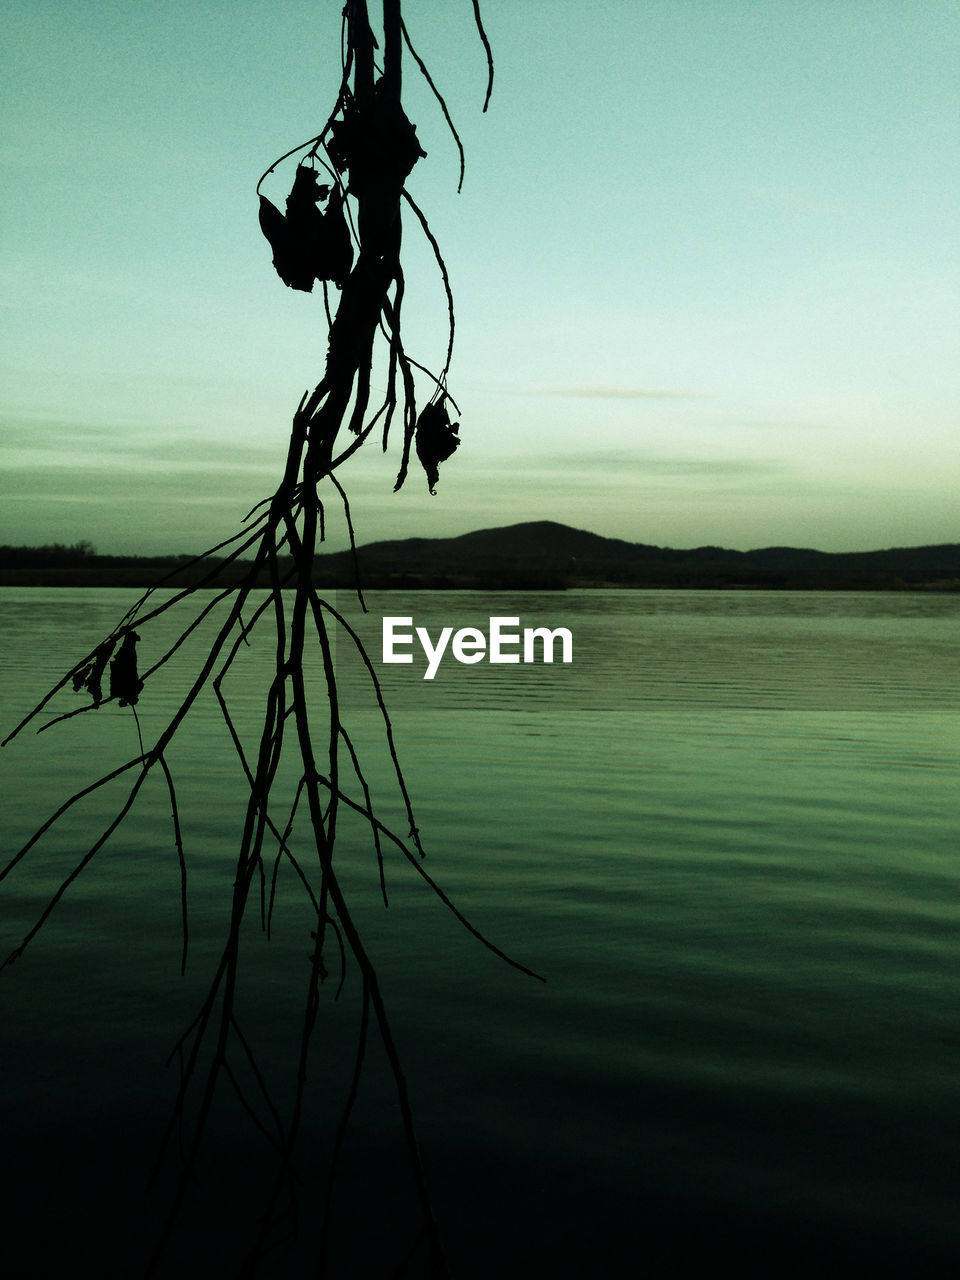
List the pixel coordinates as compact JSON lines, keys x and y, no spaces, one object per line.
{"x":549,"y":554}
{"x":539,"y":554}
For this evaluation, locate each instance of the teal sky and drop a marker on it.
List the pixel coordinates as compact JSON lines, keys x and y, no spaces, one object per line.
{"x":706,"y":264}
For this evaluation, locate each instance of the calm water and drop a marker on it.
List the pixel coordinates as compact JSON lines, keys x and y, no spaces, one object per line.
{"x":726,"y":834}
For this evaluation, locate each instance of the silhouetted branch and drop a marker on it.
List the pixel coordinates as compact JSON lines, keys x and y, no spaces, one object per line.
{"x":439,"y":97}
{"x":178,"y":840}
{"x":367,"y":147}
{"x":421,"y":218}
{"x":487,"y":50}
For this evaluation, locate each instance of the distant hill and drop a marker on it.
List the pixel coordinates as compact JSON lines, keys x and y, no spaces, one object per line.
{"x":536,"y":555}
{"x":545,"y":554}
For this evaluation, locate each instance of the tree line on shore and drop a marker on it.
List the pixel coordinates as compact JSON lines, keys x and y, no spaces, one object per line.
{"x":539,"y":555}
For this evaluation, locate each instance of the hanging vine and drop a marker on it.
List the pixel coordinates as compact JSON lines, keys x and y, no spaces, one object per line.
{"x":341,"y":229}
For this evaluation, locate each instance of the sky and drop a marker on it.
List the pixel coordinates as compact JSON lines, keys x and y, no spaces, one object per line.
{"x":706,"y":266}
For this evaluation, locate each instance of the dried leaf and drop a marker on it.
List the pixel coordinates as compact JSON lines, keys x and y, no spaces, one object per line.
{"x":378,"y":147}
{"x":125,"y":683}
{"x":308,"y":245}
{"x":436,"y":439}
{"x":286,"y":258}
{"x":91,"y":676}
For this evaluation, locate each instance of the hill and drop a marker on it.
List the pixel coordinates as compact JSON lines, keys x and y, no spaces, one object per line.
{"x":540,"y":555}
{"x":545,"y":554}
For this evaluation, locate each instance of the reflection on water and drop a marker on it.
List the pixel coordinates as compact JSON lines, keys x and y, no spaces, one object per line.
{"x":726,"y":834}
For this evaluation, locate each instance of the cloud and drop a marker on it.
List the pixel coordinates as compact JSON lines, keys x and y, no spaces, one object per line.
{"x":49,"y":443}
{"x":630,"y":465}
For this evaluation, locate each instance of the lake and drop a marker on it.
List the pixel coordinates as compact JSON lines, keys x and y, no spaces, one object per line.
{"x":725,"y":834}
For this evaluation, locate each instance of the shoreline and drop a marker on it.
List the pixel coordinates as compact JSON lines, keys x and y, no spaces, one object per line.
{"x":141,"y":579}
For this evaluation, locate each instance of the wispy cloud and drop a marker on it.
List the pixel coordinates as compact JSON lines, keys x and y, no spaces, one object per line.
{"x":628,"y":465}
{"x":49,"y":443}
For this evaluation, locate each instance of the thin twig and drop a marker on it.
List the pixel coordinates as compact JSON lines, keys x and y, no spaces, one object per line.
{"x":178,"y":840}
